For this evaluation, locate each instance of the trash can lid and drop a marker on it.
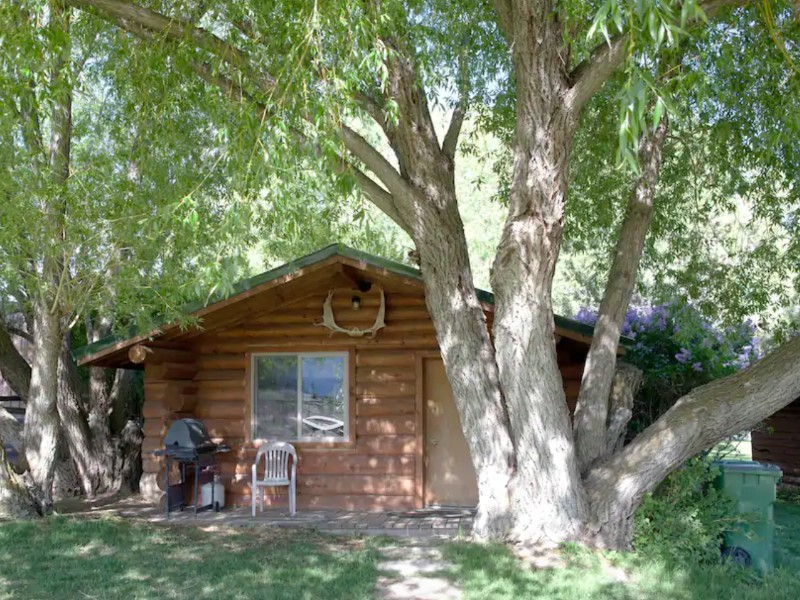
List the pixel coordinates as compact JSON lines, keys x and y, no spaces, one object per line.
{"x":748,"y":466}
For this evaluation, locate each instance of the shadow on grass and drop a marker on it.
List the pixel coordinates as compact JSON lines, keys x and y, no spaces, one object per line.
{"x":491,"y":572}
{"x":79,"y":558}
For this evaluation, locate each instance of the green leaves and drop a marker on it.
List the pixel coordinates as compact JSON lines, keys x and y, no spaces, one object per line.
{"x":652,"y":31}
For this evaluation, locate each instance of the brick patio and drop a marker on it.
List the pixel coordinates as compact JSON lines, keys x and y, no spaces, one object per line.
{"x":433,"y":522}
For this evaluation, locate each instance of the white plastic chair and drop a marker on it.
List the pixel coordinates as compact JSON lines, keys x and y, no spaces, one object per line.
{"x":276,"y":473}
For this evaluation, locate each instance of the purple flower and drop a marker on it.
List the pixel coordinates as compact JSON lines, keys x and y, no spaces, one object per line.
{"x":697,"y":366}
{"x":683,"y":356}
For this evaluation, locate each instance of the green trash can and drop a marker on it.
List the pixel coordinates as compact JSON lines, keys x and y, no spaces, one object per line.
{"x":752,"y":484}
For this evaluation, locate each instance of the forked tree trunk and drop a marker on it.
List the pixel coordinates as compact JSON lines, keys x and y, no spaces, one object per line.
{"x":698,"y":420}
{"x":106,"y":462}
{"x":41,"y":415}
{"x":430,"y":203}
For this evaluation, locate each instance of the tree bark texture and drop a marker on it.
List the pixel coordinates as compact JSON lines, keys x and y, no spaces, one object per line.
{"x":624,"y":387}
{"x":591,"y":412}
{"x":41,"y":414}
{"x":549,"y":502}
{"x":13,"y":366}
{"x":106,"y":461}
{"x":430,"y":204}
{"x":91,"y":459}
{"x":11,"y":433}
{"x":15,"y":500}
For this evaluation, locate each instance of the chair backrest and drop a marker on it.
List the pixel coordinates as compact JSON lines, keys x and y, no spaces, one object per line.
{"x":276,"y":459}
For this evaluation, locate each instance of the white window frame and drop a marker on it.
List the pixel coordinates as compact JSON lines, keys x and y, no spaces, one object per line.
{"x":300,"y":356}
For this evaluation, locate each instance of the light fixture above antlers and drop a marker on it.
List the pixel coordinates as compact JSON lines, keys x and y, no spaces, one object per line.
{"x":329,"y":321}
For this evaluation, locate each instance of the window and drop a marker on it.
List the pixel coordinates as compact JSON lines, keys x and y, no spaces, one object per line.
{"x":300,"y":396}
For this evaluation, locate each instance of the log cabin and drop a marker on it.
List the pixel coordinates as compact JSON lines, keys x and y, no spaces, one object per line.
{"x":372,"y":416}
{"x":777,"y":442}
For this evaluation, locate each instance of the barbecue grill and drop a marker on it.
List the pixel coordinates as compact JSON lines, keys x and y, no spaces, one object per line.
{"x":188,"y":444}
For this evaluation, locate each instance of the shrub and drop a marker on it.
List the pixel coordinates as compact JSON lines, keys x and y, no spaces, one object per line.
{"x":684,"y":520}
{"x":678,"y":349}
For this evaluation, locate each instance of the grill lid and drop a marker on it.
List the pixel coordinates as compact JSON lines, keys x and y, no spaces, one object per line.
{"x":187,"y":433}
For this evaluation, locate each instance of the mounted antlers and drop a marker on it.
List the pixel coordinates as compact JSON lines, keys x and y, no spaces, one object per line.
{"x":329,"y":321}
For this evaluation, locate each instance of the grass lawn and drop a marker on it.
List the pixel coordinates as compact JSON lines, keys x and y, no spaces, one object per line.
{"x":108,"y":559}
{"x":490,"y":573}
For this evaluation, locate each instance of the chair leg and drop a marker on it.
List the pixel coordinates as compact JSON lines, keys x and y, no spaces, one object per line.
{"x":261,"y":499}
{"x":292,"y":498}
{"x":253,"y":493}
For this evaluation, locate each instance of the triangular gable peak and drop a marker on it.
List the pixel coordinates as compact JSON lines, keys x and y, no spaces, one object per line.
{"x":304,"y":282}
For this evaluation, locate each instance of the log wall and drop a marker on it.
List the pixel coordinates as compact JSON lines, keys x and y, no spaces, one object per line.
{"x":778,"y":442}
{"x":380,"y":468}
{"x":170,"y":393}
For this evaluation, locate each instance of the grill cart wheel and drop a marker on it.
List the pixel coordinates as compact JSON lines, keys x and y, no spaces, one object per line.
{"x":738,"y":556}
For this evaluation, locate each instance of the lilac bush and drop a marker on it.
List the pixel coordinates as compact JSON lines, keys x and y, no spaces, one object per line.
{"x":677,"y":349}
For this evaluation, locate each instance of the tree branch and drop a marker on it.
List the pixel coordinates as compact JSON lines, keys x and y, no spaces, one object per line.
{"x":380,"y":198}
{"x":146,"y":23}
{"x":590,"y":75}
{"x":505,"y":18}
{"x":698,"y":420}
{"x":19,"y":333}
{"x":374,"y":161}
{"x":125,"y":14}
{"x":591,"y":411}
{"x":450,"y":142}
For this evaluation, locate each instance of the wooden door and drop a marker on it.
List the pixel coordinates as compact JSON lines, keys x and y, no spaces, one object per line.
{"x":449,"y":474}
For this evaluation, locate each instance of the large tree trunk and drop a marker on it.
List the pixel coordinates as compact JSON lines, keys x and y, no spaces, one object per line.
{"x":41,"y":415}
{"x":106,"y":461}
{"x":549,"y":502}
{"x":92,"y":456}
{"x":706,"y":415}
{"x":430,"y":204}
{"x":591,"y":412}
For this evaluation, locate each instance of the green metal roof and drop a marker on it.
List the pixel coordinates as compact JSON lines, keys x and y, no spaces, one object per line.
{"x":325,"y":253}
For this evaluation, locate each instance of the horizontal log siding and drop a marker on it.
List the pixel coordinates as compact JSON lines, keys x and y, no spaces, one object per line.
{"x":169,"y":394}
{"x":375,"y":473}
{"x":378,"y":471}
{"x":778,"y":442}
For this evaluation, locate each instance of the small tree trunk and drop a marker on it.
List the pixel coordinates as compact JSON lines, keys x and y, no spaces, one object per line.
{"x":591,"y":412}
{"x":11,"y":432}
{"x":624,"y":387}
{"x":13,"y":366}
{"x":41,"y":416}
{"x":16,"y":501}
